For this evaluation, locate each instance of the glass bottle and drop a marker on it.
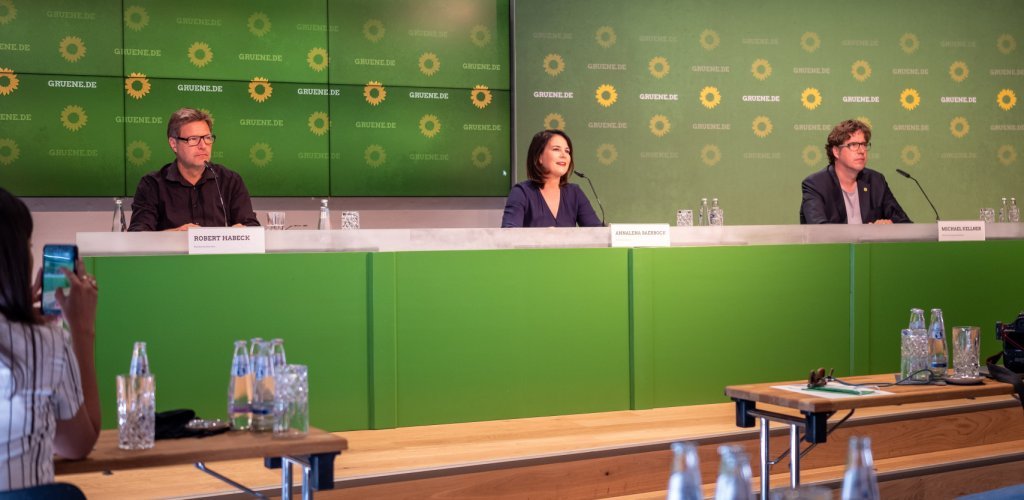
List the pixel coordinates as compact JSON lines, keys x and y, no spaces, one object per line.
{"x":685,"y":482}
{"x":1014,"y":211}
{"x":702,"y":215}
{"x":916,"y":319}
{"x":262,"y":406}
{"x":715,"y":216}
{"x":938,"y":357}
{"x":240,"y":389}
{"x":1003,"y":211}
{"x":733,"y":475}
{"x":140,"y":361}
{"x":325,"y":216}
{"x":118,"y":217}
{"x":859,"y":480}
{"x":277,"y":356}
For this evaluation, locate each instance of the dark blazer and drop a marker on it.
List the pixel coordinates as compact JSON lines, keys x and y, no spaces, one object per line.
{"x":526,"y":207}
{"x":823,"y":199}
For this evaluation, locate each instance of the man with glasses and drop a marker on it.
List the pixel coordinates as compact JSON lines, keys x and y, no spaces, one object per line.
{"x":846,"y":192}
{"x":191,"y":191}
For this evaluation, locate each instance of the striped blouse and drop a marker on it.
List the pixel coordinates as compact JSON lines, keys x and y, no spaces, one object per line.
{"x":42,"y":386}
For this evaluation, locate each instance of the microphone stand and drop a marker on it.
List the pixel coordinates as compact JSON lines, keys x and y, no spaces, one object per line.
{"x":929,"y":200}
{"x":596,"y":197}
{"x":216,"y":180}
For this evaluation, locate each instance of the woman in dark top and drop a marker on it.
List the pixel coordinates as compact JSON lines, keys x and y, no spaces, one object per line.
{"x":547,"y":199}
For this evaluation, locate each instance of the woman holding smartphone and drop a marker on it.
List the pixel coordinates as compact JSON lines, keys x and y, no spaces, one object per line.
{"x":48,"y":397}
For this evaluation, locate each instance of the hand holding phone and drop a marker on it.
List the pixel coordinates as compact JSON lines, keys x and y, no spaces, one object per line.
{"x":55,"y":259}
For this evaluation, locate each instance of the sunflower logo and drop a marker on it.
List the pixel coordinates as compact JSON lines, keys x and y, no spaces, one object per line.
{"x":319,"y":123}
{"x":607,"y":154}
{"x":373,"y":30}
{"x":865,"y":120}
{"x":811,"y":155}
{"x":9,"y":152}
{"x":554,"y":121}
{"x":810,"y":98}
{"x":710,"y":155}
{"x":709,"y":39}
{"x":1006,"y":98}
{"x":317,"y":59}
{"x":137,"y":85}
{"x":958,"y":71}
{"x":762,"y":126}
{"x":430,"y":126}
{"x":260,"y":154}
{"x":606,"y":95}
{"x":429,"y":63}
{"x":71,"y":48}
{"x":1007,"y":154}
{"x":199,"y":54}
{"x":909,"y":43}
{"x":73,"y":118}
{"x":259,"y":24}
{"x":910,"y":155}
{"x":260,"y":89}
{"x":1006,"y":43}
{"x":481,"y":157}
{"x":659,"y":125}
{"x":658,"y":66}
{"x":909,"y":99}
{"x":861,"y":70}
{"x":9,"y":81}
{"x":374,"y":93}
{"x":605,"y":36}
{"x":553,"y":64}
{"x":810,"y":41}
{"x":709,"y":97}
{"x":375,"y":155}
{"x":480,"y":35}
{"x":7,"y":11}
{"x":137,"y":153}
{"x":480,"y":96}
{"x":959,"y":127}
{"x":761,"y":69}
{"x":136,"y":18}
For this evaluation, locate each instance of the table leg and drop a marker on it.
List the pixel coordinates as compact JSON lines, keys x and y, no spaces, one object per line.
{"x":286,"y":480}
{"x":794,"y":456}
{"x":307,"y":483}
{"x":765,"y":459}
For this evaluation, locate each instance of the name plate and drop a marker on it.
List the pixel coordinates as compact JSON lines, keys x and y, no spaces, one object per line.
{"x":221,"y":240}
{"x":961,"y":230}
{"x":640,"y":235}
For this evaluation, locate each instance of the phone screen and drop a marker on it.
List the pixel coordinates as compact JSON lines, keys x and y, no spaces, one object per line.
{"x":55,"y":258}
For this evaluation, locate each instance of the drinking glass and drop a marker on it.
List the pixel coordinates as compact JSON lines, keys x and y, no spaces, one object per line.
{"x":275,"y":220}
{"x":966,"y":351}
{"x":350,"y":220}
{"x":291,"y":402}
{"x":987,"y":214}
{"x":913,"y":353}
{"x":684,"y":218}
{"x":136,"y":412}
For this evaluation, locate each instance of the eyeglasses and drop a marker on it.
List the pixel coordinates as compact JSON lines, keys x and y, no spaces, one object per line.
{"x":194,"y":140}
{"x":856,"y":146}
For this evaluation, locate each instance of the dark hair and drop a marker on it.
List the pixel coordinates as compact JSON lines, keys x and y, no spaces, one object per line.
{"x":16,"y":261}
{"x":534,"y":170}
{"x":185,"y":116}
{"x":842,"y":132}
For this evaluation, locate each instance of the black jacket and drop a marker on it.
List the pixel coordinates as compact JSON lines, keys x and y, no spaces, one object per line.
{"x":823,"y":199}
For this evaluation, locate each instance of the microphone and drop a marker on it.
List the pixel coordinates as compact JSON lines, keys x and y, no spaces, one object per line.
{"x":223,"y":209}
{"x":596,"y":197}
{"x":908,"y":176}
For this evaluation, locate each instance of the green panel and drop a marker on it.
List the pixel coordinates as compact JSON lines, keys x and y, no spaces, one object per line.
{"x":736,"y":315}
{"x":189,"y":310}
{"x":399,"y":141}
{"x":484,"y":335}
{"x":969,"y":281}
{"x":383,"y":368}
{"x":280,"y":41}
{"x":60,"y":37}
{"x":62,"y":135}
{"x":273,"y":134}
{"x":641,"y":329}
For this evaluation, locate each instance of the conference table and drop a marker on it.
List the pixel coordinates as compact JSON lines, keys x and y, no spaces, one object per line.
{"x":815,"y":408}
{"x":315,"y":453}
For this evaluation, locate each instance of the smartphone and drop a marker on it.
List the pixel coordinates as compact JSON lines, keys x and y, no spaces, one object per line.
{"x":55,"y":258}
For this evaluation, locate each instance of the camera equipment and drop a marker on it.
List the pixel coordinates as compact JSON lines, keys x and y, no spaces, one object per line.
{"x":1012,"y":335}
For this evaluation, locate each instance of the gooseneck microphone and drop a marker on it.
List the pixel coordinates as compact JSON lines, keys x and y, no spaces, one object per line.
{"x":223,"y":209}
{"x":596,"y":197}
{"x":908,"y":176}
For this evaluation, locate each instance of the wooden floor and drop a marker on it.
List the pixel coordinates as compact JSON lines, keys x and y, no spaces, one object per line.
{"x":390,"y":463}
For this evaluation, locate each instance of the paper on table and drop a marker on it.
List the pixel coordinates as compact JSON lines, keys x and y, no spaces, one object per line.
{"x":802,"y":389}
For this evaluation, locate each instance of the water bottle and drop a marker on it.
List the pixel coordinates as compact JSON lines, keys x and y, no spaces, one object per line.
{"x":240,"y":389}
{"x":733,"y":475}
{"x":277,"y":357}
{"x":859,"y":481}
{"x":916,"y":319}
{"x":938,"y":358}
{"x":684,"y":483}
{"x":118,"y":217}
{"x":325,"y":216}
{"x":703,"y":214}
{"x":253,"y":342}
{"x":1003,"y":211}
{"x":1014,"y":211}
{"x":140,"y":362}
{"x":262,"y":406}
{"x":715,"y":215}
